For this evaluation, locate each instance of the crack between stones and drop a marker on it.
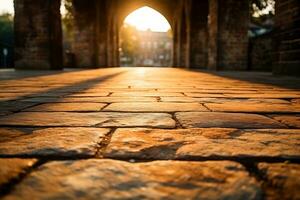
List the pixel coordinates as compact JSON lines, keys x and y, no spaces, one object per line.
{"x":6,"y":188}
{"x":102,"y":145}
{"x":178,"y":125}
{"x":203,"y":104}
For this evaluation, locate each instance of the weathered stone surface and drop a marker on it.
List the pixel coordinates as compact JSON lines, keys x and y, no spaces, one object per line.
{"x":179,"y":99}
{"x":91,"y":99}
{"x":254,"y":107}
{"x":147,"y":94}
{"x":297,"y":101}
{"x":282,"y":95}
{"x":204,"y":143}
{"x":59,"y":142}
{"x":12,"y":168}
{"x":283,"y":180}
{"x":13,"y":106}
{"x":76,"y":107}
{"x":225,"y":120}
{"x":108,"y":179}
{"x":101,"y":119}
{"x":90,"y":94}
{"x":290,"y":120}
{"x":241,"y":101}
{"x":155,"y":107}
{"x":206,"y":95}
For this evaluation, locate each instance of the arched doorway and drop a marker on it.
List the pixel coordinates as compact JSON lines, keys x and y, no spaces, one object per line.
{"x":146,"y":39}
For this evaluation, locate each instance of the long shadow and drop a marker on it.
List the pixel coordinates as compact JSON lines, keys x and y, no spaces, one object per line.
{"x":6,"y":107}
{"x":268,"y":78}
{"x":12,"y":74}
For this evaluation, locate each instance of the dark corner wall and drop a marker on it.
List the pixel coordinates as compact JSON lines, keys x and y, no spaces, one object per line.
{"x":208,"y":34}
{"x":287,"y":37}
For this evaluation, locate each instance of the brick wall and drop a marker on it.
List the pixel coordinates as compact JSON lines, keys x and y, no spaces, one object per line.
{"x":233,"y":34}
{"x":228,"y":34}
{"x":84,"y":44}
{"x":38,"y":35}
{"x":260,"y":53}
{"x":287,"y":37}
{"x":199,"y":34}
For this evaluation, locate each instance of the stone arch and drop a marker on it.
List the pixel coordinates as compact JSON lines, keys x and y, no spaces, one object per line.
{"x":127,"y":9}
{"x":141,"y":55}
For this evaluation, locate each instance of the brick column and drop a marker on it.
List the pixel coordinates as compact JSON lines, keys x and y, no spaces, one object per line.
{"x":181,"y":24}
{"x":287,"y":37}
{"x":228,"y":34}
{"x":199,"y":34}
{"x":38,"y":35}
{"x":84,"y":45}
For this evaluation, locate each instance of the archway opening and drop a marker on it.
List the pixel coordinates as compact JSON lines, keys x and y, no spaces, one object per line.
{"x":146,"y":39}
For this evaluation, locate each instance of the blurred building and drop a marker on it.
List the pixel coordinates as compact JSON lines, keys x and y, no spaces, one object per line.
{"x":154,"y":49}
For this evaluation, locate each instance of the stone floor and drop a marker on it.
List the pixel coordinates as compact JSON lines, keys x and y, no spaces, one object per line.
{"x":149,"y":133}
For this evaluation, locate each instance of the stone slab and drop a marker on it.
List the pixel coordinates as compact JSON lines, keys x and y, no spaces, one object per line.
{"x":147,"y":94}
{"x":109,"y":179}
{"x":67,"y":107}
{"x":272,"y":95}
{"x":253,"y":107}
{"x":100,"y":119}
{"x":225,"y":120}
{"x":283,"y":180}
{"x":91,"y":99}
{"x":204,"y":95}
{"x":58,"y":142}
{"x":14,"y":106}
{"x":12,"y":168}
{"x":155,"y":107}
{"x":211,"y":143}
{"x":292,"y":121}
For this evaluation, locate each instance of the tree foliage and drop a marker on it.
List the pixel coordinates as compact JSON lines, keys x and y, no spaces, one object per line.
{"x":6,"y":29}
{"x":259,"y":7}
{"x":129,"y":40}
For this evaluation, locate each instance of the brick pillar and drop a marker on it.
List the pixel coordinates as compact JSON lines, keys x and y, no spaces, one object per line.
{"x":287,"y":37}
{"x":199,"y":34}
{"x":84,"y":45}
{"x":181,"y":56}
{"x":228,"y":34}
{"x":38,"y":35}
{"x":176,"y":44}
{"x":112,"y":35}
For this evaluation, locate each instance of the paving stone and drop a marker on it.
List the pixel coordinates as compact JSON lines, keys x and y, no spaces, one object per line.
{"x":90,"y":94}
{"x":147,"y":94}
{"x":155,"y":107}
{"x":209,"y":143}
{"x":10,"y":133}
{"x":225,"y":120}
{"x":75,"y":107}
{"x":109,"y":179}
{"x":100,"y":119}
{"x":92,"y":99}
{"x":59,"y":142}
{"x":13,"y":106}
{"x":206,"y":95}
{"x":253,"y":107}
{"x":12,"y":168}
{"x":283,"y":180}
{"x":241,"y":101}
{"x":266,"y":95}
{"x":297,"y":101}
{"x":179,"y":99}
{"x":290,"y":120}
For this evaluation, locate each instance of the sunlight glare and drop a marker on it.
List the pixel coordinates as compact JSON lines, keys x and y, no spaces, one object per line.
{"x":147,"y":18}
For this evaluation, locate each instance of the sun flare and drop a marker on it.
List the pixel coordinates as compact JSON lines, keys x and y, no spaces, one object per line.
{"x":146,"y":18}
